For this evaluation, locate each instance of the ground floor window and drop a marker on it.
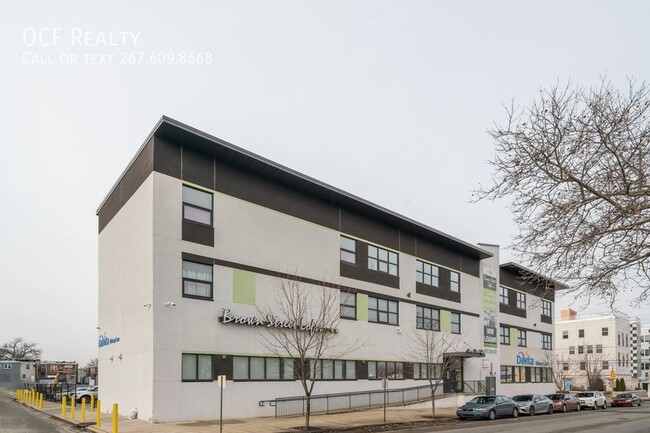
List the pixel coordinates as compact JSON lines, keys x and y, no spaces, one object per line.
{"x":196,"y":368}
{"x":427,"y":371}
{"x":385,"y":370}
{"x":259,"y":368}
{"x":327,"y":369}
{"x":520,"y":374}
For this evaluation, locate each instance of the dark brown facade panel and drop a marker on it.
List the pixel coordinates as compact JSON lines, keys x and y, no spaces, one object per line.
{"x":447,"y":257}
{"x":470,"y":265}
{"x":198,"y":259}
{"x":546,"y":319}
{"x":360,"y":271}
{"x":264,"y":192}
{"x":362,"y":369}
{"x":134,"y":176}
{"x":518,"y":282}
{"x":222,"y":364}
{"x":408,"y":370}
{"x":407,"y":243}
{"x":437,"y":292}
{"x":167,"y":158}
{"x":512,"y":310}
{"x":198,"y":168}
{"x":198,"y":233}
{"x":369,"y":229}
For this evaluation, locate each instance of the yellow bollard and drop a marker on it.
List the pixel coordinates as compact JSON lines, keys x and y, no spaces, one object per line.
{"x":83,"y":409}
{"x":99,"y":414}
{"x":92,"y":401}
{"x":63,"y":404}
{"x":40,"y":400}
{"x":73,"y":405}
{"x":114,"y":417}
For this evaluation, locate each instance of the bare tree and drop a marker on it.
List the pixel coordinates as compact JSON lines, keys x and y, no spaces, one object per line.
{"x":93,"y":362}
{"x":303,"y":326}
{"x":562,"y":367}
{"x":18,"y":349}
{"x":593,"y":370}
{"x":575,"y":165}
{"x":429,"y":347}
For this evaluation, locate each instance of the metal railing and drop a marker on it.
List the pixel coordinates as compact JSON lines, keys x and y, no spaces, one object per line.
{"x":362,"y":400}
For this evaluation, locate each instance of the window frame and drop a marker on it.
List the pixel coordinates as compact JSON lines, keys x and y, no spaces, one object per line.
{"x":317,"y":373}
{"x":342,"y":250}
{"x":386,"y":364}
{"x":197,"y":356}
{"x":547,"y":307}
{"x":420,"y":314}
{"x":455,"y":323}
{"x":504,"y":294}
{"x":194,"y":280}
{"x":520,"y":299}
{"x":421,"y":273}
{"x":504,"y":334}
{"x":379,"y":261}
{"x":547,"y":342}
{"x":581,"y":333}
{"x":522,"y":337}
{"x":284,"y":364}
{"x":454,"y":285}
{"x":604,"y":331}
{"x":343,"y":305}
{"x":196,"y":206}
{"x":387,"y":311}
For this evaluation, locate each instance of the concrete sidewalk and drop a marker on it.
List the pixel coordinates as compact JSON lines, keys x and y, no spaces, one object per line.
{"x":248,"y":425}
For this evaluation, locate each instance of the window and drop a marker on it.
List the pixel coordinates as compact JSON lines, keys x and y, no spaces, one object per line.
{"x":572,"y":350}
{"x":546,"y":342}
{"x":521,"y":337}
{"x":505,"y":335}
{"x":325,"y":369}
{"x":426,"y":273}
{"x":348,"y":250}
{"x":590,"y":348}
{"x":581,"y":333}
{"x":197,"y":280}
{"x":427,"y":318}
{"x":521,"y":300}
{"x":504,"y":295}
{"x":348,"y":305}
{"x":565,"y":335}
{"x":455,"y":323}
{"x":565,"y":366}
{"x":546,"y":308}
{"x":197,"y":206}
{"x":385,"y":370}
{"x":427,"y":371}
{"x":454,"y":281}
{"x":581,"y":350}
{"x":506,"y":374}
{"x":605,"y":365}
{"x":583,"y":365}
{"x":599,"y":348}
{"x":7,"y":366}
{"x":259,"y":368}
{"x":196,"y":368}
{"x":382,"y":311}
{"x":382,"y":260}
{"x":605,"y":332}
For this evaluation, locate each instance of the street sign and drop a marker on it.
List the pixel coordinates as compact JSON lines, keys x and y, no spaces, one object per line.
{"x":612,"y":374}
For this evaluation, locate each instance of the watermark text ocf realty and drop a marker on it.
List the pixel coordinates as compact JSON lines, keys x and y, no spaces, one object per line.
{"x":78,"y":37}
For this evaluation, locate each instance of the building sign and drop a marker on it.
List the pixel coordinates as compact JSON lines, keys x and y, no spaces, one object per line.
{"x":272,"y":321}
{"x":526,"y":359}
{"x":105,"y":341}
{"x":489,"y":310}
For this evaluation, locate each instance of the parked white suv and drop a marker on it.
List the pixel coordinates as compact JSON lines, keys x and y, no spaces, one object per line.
{"x":86,"y":393}
{"x":592,"y":399}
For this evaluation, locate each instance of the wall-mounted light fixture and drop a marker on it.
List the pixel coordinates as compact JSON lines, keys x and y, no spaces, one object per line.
{"x":119,"y":356}
{"x":224,"y":357}
{"x":147,"y":305}
{"x":111,"y":358}
{"x":170,"y":304}
{"x":408,"y":295}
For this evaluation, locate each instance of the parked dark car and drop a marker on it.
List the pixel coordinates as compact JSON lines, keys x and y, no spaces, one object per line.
{"x":533,"y":403}
{"x":489,"y":407}
{"x":626,"y":399}
{"x":564,"y":402}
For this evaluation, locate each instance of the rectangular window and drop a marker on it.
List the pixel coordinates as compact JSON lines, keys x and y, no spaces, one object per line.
{"x":521,"y":337}
{"x":348,"y":250}
{"x":581,"y":333}
{"x":565,"y":366}
{"x":583,"y":365}
{"x":454,"y":281}
{"x":521,"y":300}
{"x":196,"y":368}
{"x":546,"y":342}
{"x":581,"y":350}
{"x":382,"y":311}
{"x":599,"y":348}
{"x":546,"y":308}
{"x":385,"y":370}
{"x":504,"y":295}
{"x":605,"y":365}
{"x":348,"y":305}
{"x":197,"y":206}
{"x":427,"y":371}
{"x":506,"y":374}
{"x":605,"y":331}
{"x":327,"y":369}
{"x":455,"y":323}
{"x":382,"y":260}
{"x":590,"y":348}
{"x":260,"y":368}
{"x":197,"y":280}
{"x":505,"y":335}
{"x":565,"y":335}
{"x":427,"y":318}
{"x":427,"y":273}
{"x":572,"y":350}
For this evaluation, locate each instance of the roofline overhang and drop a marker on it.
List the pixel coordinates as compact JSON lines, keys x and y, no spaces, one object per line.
{"x":522,"y":269}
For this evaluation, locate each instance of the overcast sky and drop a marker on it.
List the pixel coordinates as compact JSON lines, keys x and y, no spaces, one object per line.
{"x":407,"y":87}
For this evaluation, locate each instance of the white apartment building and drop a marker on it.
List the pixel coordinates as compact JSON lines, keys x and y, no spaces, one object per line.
{"x":596,"y":346}
{"x":197,"y":231}
{"x":644,"y":356}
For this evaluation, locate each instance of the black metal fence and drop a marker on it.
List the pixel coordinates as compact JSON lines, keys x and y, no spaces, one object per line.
{"x":360,"y":400}
{"x":54,"y":392}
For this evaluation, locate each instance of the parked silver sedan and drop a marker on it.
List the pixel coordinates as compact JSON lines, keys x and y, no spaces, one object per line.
{"x":533,"y":403}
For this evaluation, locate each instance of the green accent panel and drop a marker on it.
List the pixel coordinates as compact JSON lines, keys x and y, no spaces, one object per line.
{"x":513,"y":336}
{"x":445,"y":321}
{"x":243,"y":287}
{"x":362,"y":307}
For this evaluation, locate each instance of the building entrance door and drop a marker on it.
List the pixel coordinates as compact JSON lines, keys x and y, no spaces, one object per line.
{"x":453,"y":375}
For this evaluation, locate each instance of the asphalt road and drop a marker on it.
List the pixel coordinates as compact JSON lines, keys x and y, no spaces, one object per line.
{"x":619,"y":420}
{"x":16,"y":418}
